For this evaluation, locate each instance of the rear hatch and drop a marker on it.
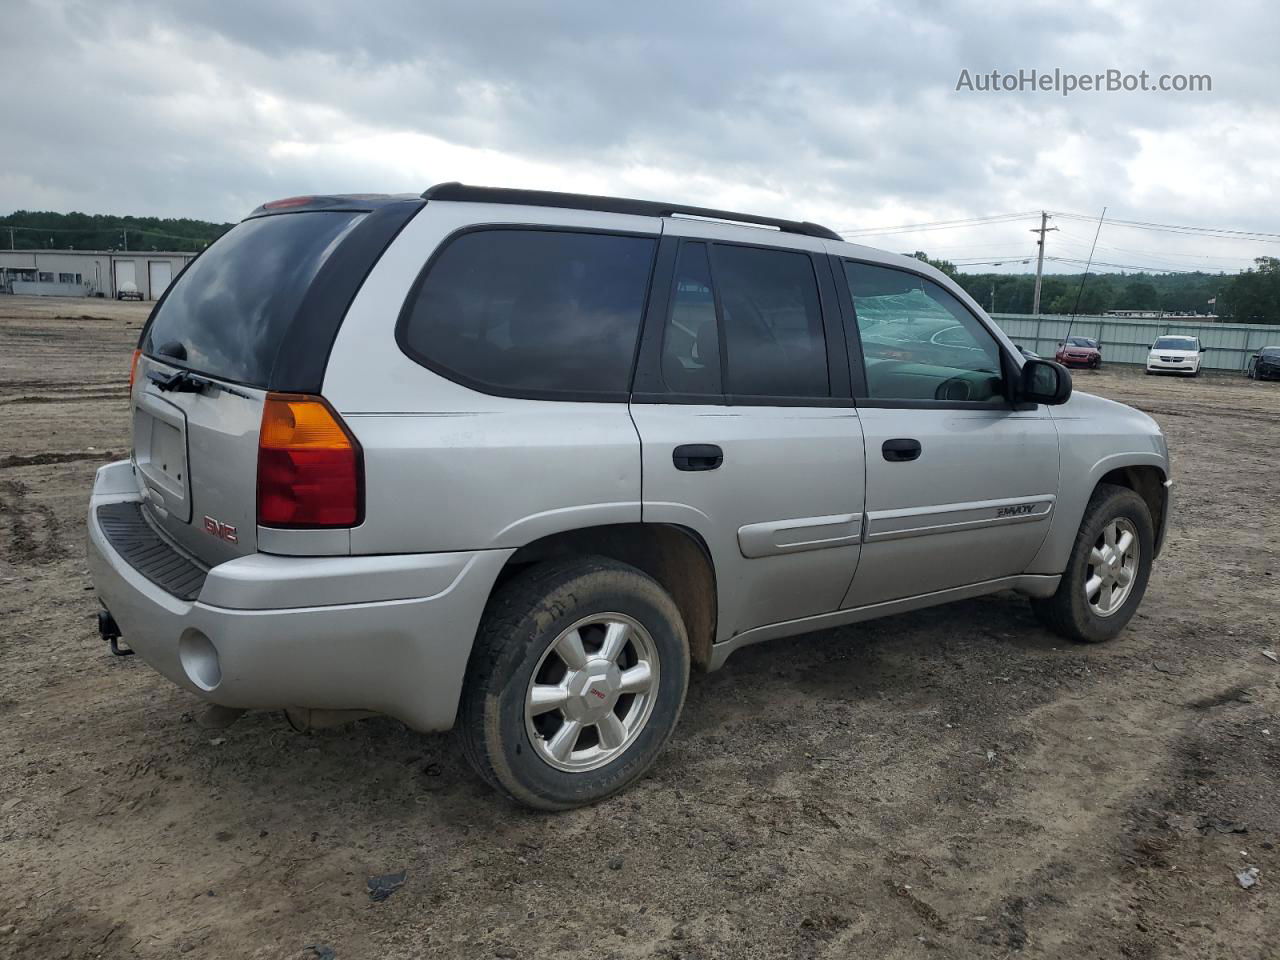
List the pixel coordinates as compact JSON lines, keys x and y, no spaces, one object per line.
{"x":209,"y":354}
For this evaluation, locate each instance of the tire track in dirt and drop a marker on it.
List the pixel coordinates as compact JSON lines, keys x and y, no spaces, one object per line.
{"x":42,"y":459}
{"x":33,"y":529}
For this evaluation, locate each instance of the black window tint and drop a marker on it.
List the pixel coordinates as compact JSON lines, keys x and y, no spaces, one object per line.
{"x":228,"y":313}
{"x":774,"y":342}
{"x":918,"y":341}
{"x":690,"y":343}
{"x":533,"y":311}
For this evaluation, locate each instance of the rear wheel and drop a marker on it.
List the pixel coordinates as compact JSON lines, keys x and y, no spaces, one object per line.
{"x":1107,"y":574}
{"x":576,"y":680}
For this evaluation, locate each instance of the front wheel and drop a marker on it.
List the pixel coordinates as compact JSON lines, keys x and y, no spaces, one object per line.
{"x":576,"y":680}
{"x":1108,"y":570}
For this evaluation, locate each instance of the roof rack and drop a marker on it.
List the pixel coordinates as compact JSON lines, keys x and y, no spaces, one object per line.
{"x":642,"y":208}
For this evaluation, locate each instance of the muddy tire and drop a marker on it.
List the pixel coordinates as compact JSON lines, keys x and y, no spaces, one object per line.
{"x":575,"y":682}
{"x":1107,"y":574}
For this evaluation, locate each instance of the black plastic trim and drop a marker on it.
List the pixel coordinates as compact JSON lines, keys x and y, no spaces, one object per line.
{"x":641,"y":208}
{"x":305,"y":347}
{"x":647,"y":379}
{"x":872,"y":403}
{"x":493,"y":390}
{"x":137,"y":542}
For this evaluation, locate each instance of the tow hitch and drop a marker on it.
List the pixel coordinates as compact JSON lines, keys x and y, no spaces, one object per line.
{"x":110,"y":632}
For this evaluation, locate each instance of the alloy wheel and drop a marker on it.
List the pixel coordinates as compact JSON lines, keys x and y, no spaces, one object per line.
{"x":1112,"y":568}
{"x":592,"y":692}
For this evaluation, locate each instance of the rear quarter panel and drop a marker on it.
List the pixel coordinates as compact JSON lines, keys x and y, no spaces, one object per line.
{"x":451,"y":468}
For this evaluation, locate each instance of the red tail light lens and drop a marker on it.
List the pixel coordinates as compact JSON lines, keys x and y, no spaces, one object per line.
{"x":310,"y":470}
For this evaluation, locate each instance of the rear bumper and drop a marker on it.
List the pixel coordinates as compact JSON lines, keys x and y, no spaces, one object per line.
{"x":391,"y":634}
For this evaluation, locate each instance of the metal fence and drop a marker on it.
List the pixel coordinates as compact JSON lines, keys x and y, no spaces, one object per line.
{"x":1228,"y":346}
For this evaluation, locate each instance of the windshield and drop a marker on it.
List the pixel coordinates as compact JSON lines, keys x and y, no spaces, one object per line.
{"x":227,"y":314}
{"x":1176,"y":343}
{"x":1270,"y":352}
{"x":1081,"y":342}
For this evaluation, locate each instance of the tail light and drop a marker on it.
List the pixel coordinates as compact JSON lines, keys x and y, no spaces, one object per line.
{"x":133,"y":368}
{"x":310,"y":470}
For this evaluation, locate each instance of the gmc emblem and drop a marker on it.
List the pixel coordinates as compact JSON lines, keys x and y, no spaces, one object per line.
{"x":223,"y":531}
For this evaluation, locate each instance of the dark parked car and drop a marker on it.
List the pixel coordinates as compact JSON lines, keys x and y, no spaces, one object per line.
{"x":1079,"y":352}
{"x":1264,"y":365}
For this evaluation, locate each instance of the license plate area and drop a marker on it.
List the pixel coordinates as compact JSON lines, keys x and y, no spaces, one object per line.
{"x":160,"y":454}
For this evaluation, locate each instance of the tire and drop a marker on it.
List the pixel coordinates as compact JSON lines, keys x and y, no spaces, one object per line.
{"x":1068,"y":612}
{"x":516,"y":645}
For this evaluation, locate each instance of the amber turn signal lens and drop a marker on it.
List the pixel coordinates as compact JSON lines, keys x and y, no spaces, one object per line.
{"x":310,"y":472}
{"x":133,"y":368}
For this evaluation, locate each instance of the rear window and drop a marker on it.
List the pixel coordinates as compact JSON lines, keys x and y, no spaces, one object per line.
{"x":228,"y":314}
{"x":537,"y":313}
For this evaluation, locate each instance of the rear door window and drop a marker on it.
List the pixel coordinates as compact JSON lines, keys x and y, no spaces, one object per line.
{"x":772,"y":323}
{"x":535,"y":313}
{"x":691,"y":342}
{"x":228,"y":313}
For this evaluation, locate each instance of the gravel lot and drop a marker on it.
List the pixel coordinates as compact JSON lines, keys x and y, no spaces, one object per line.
{"x":951,"y":783}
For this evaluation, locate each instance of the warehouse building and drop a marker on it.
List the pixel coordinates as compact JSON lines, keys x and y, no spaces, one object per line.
{"x":89,"y":273}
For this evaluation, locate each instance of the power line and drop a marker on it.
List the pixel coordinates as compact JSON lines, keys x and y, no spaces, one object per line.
{"x":1225,"y":233}
{"x":109,"y":229}
{"x":1139,"y":268}
{"x":933,"y":225}
{"x":1084,"y":276}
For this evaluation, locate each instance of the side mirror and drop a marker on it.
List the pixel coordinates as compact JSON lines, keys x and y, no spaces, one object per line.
{"x":1202,"y":349}
{"x":1044,"y":381}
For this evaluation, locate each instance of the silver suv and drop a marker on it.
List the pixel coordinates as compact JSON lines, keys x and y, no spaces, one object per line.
{"x":514,"y":461}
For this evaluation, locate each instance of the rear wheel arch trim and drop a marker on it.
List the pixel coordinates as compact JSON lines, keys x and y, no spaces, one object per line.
{"x":664,"y":551}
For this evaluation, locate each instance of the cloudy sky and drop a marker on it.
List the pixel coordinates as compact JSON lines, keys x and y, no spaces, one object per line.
{"x":842,"y":112}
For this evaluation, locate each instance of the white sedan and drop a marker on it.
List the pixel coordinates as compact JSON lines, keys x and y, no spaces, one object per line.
{"x":1175,"y":355}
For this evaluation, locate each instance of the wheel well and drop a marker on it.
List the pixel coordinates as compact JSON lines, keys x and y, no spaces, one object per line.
{"x":1148,"y":483}
{"x":675,"y":556}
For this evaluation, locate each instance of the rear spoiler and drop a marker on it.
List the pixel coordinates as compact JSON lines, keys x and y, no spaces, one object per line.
{"x":338,"y":203}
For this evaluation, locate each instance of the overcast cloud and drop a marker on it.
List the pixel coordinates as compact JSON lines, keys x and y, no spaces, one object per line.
{"x":844,"y":113}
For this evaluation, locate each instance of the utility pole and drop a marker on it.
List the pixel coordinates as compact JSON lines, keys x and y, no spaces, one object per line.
{"x":1042,"y":230}
{"x":125,"y":235}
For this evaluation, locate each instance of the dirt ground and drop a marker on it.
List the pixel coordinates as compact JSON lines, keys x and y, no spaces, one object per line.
{"x":951,"y":783}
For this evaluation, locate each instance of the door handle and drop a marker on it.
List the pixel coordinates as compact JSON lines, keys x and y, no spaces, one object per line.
{"x":901,"y":450}
{"x":697,"y":456}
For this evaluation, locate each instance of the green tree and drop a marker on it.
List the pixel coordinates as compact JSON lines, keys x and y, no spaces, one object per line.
{"x":1139,"y":295}
{"x":1254,"y":296}
{"x":946,"y":266}
{"x":43,"y":229}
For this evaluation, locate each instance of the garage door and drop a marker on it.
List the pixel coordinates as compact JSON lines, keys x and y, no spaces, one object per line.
{"x":161,"y":272}
{"x":125,"y":273}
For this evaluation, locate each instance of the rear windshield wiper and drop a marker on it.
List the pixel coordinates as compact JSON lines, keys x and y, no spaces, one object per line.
{"x":184,"y":381}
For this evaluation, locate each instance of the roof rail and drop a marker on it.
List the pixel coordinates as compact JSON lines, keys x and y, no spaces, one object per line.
{"x":642,"y":208}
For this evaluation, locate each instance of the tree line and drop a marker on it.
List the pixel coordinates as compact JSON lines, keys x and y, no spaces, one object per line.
{"x":1252,"y":296}
{"x":42,"y":229}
